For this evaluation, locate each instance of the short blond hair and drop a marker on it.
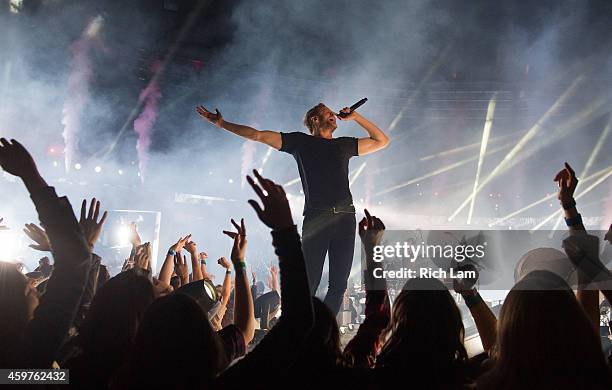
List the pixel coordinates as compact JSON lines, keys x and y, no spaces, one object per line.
{"x":313,"y":112}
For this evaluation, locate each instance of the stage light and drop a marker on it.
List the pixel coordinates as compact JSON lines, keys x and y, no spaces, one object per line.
{"x":15,"y":6}
{"x":98,"y":169}
{"x":230,"y":181}
{"x":525,"y":139}
{"x":94,"y":26}
{"x":123,"y":235}
{"x":8,"y":245}
{"x":486,"y":132}
{"x":55,"y":164}
{"x":77,"y":166}
{"x":120,"y":171}
{"x":542,"y":200}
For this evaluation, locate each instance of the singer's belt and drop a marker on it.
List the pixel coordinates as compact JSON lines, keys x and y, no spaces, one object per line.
{"x":334,"y":210}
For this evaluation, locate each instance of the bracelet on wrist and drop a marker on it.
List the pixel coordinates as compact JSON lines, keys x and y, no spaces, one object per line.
{"x":228,"y":271}
{"x":574,"y":221}
{"x":240,"y":265}
{"x":472,"y":300}
{"x":171,"y":252}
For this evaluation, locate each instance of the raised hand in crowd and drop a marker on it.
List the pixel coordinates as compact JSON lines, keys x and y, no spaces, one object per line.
{"x":272,"y":280}
{"x":92,"y":227}
{"x":142,"y":257}
{"x":567,"y":182}
{"x":275,"y":212}
{"x":240,"y":242}
{"x":371,"y":230}
{"x":38,"y":235}
{"x":3,"y":227}
{"x":226,"y":287}
{"x":134,"y":237}
{"x":222,"y":261}
{"x":181,"y":268}
{"x":165,"y":273}
{"x":196,"y":266}
{"x":17,"y":161}
{"x":244,"y":314}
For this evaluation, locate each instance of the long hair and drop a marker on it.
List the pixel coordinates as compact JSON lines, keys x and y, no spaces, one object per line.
{"x":174,"y":337}
{"x":425,"y":334}
{"x":13,"y":306}
{"x":545,"y":340}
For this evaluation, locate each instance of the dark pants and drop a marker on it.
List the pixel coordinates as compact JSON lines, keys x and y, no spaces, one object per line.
{"x":325,"y":232}
{"x":266,"y":307}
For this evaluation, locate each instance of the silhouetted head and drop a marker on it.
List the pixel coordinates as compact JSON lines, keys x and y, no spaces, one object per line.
{"x":322,"y":346}
{"x":175,"y":346}
{"x":426,"y":331}
{"x":18,"y":301}
{"x":543,"y":332}
{"x":113,"y":317}
{"x":319,"y":119}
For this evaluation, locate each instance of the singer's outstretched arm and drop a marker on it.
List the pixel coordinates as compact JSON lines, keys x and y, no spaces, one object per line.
{"x":377,"y":138}
{"x":268,"y":137}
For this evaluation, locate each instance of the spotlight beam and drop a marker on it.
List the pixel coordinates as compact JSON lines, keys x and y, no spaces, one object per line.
{"x":465,"y":147}
{"x":264,"y":160}
{"x":522,"y":142}
{"x":437,"y":172}
{"x":544,"y":199}
{"x":486,"y":132}
{"x":356,"y":175}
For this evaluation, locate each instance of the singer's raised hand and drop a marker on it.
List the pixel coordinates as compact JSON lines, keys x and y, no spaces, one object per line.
{"x":216,"y":118}
{"x":346,"y":114}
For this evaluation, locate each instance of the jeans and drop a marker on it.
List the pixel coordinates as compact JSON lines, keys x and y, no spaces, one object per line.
{"x":334,"y":233}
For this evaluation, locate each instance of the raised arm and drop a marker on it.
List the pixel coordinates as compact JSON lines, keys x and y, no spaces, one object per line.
{"x":226,"y":288}
{"x":567,"y":181}
{"x":376,"y":139}
{"x":363,"y":348}
{"x":196,"y":269}
{"x":282,"y":345}
{"x":268,"y":137}
{"x":244,"y":312}
{"x":485,"y":320}
{"x":54,"y":315}
{"x":165,"y":273}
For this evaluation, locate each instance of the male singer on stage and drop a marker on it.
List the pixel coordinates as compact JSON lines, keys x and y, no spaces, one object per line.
{"x":329,"y":214}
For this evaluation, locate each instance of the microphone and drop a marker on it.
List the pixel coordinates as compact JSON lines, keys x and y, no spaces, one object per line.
{"x":353,"y":107}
